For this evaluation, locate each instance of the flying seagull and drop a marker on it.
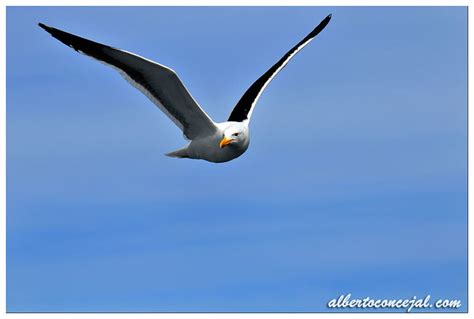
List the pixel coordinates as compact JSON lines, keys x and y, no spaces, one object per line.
{"x":208,"y":140}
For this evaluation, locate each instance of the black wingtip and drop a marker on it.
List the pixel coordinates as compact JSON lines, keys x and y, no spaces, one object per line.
{"x":44,"y":27}
{"x":326,"y":20}
{"x":320,"y":27}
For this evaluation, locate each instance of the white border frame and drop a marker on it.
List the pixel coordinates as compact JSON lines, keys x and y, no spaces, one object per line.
{"x":3,"y":313}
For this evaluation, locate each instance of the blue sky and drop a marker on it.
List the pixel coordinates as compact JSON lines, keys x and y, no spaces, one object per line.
{"x":354,"y":181}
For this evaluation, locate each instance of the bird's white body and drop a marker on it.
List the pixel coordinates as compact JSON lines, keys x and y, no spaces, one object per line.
{"x":208,"y":148}
{"x":210,"y":141}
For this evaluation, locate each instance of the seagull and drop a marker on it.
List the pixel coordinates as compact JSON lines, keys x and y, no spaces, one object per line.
{"x":208,"y":140}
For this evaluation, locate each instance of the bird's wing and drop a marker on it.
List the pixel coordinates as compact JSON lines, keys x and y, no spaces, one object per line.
{"x":159,"y":83}
{"x":244,"y":108}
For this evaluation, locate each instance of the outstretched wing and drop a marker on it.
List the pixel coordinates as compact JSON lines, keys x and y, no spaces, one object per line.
{"x":159,"y":83}
{"x":244,"y":108}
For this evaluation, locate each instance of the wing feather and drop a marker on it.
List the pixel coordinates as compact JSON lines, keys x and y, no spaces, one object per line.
{"x":244,"y":108}
{"x":158,"y":82}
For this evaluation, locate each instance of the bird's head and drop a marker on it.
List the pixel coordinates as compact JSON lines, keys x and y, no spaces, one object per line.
{"x":234,"y":135}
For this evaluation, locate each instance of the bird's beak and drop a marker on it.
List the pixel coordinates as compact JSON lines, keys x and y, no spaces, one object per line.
{"x":225,"y":141}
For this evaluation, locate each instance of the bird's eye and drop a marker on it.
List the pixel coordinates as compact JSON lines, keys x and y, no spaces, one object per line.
{"x":235,"y":134}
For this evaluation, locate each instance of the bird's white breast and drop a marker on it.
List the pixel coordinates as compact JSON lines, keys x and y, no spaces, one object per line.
{"x":208,"y":148}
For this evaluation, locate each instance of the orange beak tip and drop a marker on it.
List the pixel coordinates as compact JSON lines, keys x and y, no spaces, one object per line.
{"x":224,"y":142}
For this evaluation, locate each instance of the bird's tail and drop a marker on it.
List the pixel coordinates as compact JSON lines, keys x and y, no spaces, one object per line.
{"x":181,"y":153}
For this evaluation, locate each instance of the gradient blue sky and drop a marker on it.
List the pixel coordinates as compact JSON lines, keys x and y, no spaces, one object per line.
{"x":354,"y":182}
